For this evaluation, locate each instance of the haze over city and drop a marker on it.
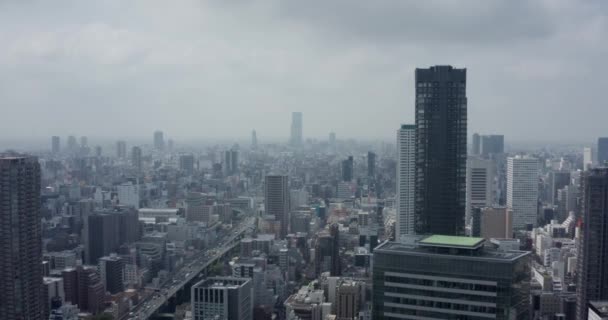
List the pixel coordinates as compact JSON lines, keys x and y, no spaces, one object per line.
{"x":218,"y":69}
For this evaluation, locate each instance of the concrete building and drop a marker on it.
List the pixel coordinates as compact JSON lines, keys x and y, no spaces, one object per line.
{"x":496,"y":222}
{"x":349,"y":300}
{"x":186,"y":163}
{"x":406,"y":166}
{"x":276,"y":201}
{"x":598,"y":310}
{"x":448,"y":277}
{"x":128,"y":194}
{"x":224,"y":298}
{"x":587,"y":158}
{"x":441,"y":149}
{"x":480,"y":184}
{"x":492,"y":144}
{"x":522,"y":190}
{"x":159,"y":141}
{"x":111,"y":272}
{"x":121,"y":149}
{"x":20,"y":238}
{"x":136,"y":158}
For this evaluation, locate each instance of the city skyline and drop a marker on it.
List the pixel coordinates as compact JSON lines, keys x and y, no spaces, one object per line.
{"x":177,"y":83}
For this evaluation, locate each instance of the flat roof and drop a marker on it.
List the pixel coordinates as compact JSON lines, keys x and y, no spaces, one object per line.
{"x":417,"y":249}
{"x":452,"y":242}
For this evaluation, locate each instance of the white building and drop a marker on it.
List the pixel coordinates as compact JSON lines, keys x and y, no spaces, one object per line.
{"x":587,"y":158}
{"x":128,"y":194}
{"x":406,"y":166}
{"x":480,"y":184}
{"x":522,"y":190}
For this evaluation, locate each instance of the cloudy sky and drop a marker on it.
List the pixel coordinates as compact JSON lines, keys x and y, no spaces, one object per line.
{"x":220,"y":68}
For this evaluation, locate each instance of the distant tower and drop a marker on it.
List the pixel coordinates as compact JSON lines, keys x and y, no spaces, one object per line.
{"x":276,"y":201}
{"x":98,"y":151}
{"x":136,"y":158}
{"x":522,"y":190}
{"x":480,"y":184}
{"x":159,"y":141}
{"x":406,"y":165}
{"x":347,"y":169}
{"x":332,"y":139}
{"x":55,"y":144}
{"x":84,"y":142}
{"x":476,"y":144}
{"x":20,"y":238}
{"x":592,"y":257}
{"x":296,"y":129}
{"x":371,"y":164}
{"x":254,"y":140}
{"x":602,"y":151}
{"x":72,"y":144}
{"x":587,"y":158}
{"x":441,"y":150}
{"x":492,"y":144}
{"x":121,"y":149}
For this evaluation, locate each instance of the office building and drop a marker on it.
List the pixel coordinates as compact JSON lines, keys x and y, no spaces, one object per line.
{"x":225,"y":298}
{"x":602,"y":151}
{"x":371,"y":164}
{"x":336,"y":265}
{"x":186,"y":163}
{"x":111,"y":272}
{"x":231,"y":161}
{"x":72,"y":144}
{"x":128,"y":194}
{"x":349,"y":294}
{"x":84,"y":142}
{"x":592,"y":258}
{"x":406,"y":158}
{"x":106,"y":230}
{"x":20,"y":238}
{"x":476,"y":144}
{"x":495,"y":222}
{"x":121,"y":149}
{"x":276,"y":201}
{"x":254,"y":140}
{"x":441,"y":150}
{"x":197,"y":210}
{"x":480,"y":184}
{"x":493,"y":144}
{"x":136,"y":158}
{"x":522,"y":190}
{"x":83,"y":288}
{"x":347,"y":169}
{"x":296,"y":129}
{"x":587,"y":158}
{"x":159,"y":140}
{"x":55,"y":144}
{"x":98,"y":151}
{"x":449,"y":277}
{"x":558,"y":180}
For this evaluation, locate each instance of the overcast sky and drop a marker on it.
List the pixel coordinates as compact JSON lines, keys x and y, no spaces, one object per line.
{"x":218,"y":69}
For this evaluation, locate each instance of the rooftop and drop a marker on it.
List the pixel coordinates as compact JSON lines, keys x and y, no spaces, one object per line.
{"x":599,"y":307}
{"x":452,"y":242}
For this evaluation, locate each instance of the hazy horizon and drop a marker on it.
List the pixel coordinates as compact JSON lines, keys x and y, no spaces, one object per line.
{"x":219,"y":69}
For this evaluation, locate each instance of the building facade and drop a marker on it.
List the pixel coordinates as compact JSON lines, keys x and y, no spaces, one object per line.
{"x":522,"y":190}
{"x":406,"y":159}
{"x":224,"y":298}
{"x":441,"y":150}
{"x":276,"y":201}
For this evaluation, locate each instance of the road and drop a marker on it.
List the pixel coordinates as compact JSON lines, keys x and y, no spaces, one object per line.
{"x":153,"y":301}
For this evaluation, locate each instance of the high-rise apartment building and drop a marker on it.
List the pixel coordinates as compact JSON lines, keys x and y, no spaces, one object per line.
{"x":602,"y":151}
{"x":476,"y":144}
{"x":20,"y":238}
{"x":276,"y":201}
{"x":121,"y":149}
{"x":159,"y":140}
{"x":349,"y":294}
{"x":296,"y":129}
{"x":449,"y":277}
{"x":348,"y":166}
{"x":55,"y":144}
{"x":136,"y":158}
{"x":522,"y":190}
{"x":480,"y":184}
{"x":225,"y":298}
{"x":371,"y":164}
{"x":592,"y":260}
{"x":406,"y":166}
{"x":441,"y":150}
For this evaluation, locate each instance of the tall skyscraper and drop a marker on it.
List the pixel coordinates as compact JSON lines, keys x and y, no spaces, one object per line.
{"x":55,"y":144}
{"x":121,"y":149}
{"x":296,"y":129}
{"x":587,"y":158}
{"x":136,"y":158}
{"x":159,"y":141}
{"x":602,"y":151}
{"x":592,"y":260}
{"x":371,"y":164}
{"x":522,"y":190}
{"x":480,"y":184}
{"x":84,"y":142}
{"x":441,"y":150}
{"x":336,"y":265}
{"x":476,"y":144}
{"x":231,"y":161}
{"x":558,"y":180}
{"x":276,"y":201}
{"x":406,"y":166}
{"x":225,"y":298}
{"x":254,"y":140}
{"x":448,"y":277}
{"x":20,"y":238}
{"x":348,"y":166}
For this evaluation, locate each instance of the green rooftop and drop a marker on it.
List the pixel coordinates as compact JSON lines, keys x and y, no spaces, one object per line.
{"x":452,"y":241}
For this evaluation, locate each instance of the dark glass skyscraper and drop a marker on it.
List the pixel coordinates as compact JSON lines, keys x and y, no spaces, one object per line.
{"x":276,"y":201}
{"x":347,"y":169}
{"x":602,"y":150}
{"x":592,"y":258}
{"x":20,"y":238}
{"x":441,"y":150}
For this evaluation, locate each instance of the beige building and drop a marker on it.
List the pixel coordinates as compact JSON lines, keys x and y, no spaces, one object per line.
{"x":496,"y":222}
